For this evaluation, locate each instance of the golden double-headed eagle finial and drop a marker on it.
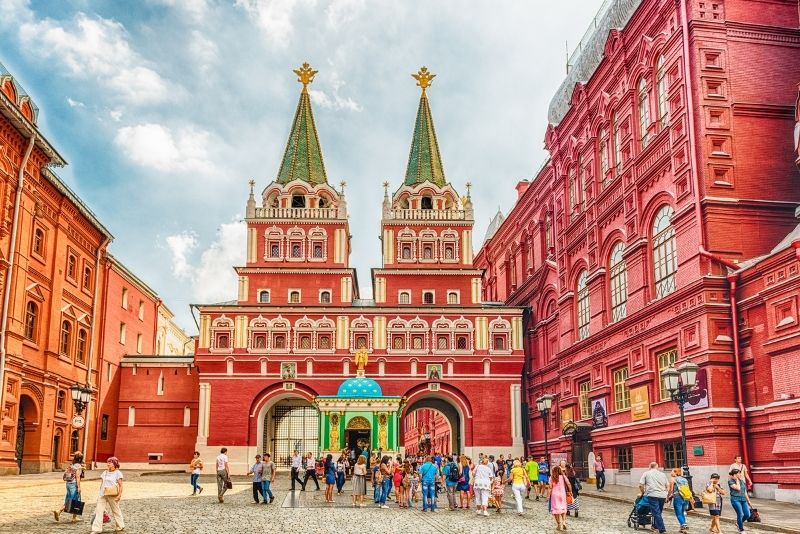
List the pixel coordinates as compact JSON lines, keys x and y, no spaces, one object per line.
{"x":305,"y":75}
{"x":424,"y":78}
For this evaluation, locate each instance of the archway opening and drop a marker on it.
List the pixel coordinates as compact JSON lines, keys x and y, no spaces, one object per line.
{"x":358,"y":435}
{"x":27,"y":426}
{"x":291,"y":424}
{"x":432,"y":425}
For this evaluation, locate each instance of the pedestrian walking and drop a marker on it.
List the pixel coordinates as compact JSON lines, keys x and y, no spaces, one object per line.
{"x":560,"y":492}
{"x":575,"y":484}
{"x":297,"y":464}
{"x":109,"y":496}
{"x":544,"y":476}
{"x":680,"y":494}
{"x":452,"y":473}
{"x":737,"y":490}
{"x":599,"y":472}
{"x":482,"y":486}
{"x":429,"y":475}
{"x":653,"y":486}
{"x":532,"y":468}
{"x":359,"y":481}
{"x":268,"y":474}
{"x":498,"y":490}
{"x":397,"y":480}
{"x":385,"y":471}
{"x":257,"y":470}
{"x":738,"y":464}
{"x":72,"y":480}
{"x":223,"y":474}
{"x":311,"y":471}
{"x":196,"y":468}
{"x":329,"y":468}
{"x":341,"y":469}
{"x":519,"y":483}
{"x":463,"y":483}
{"x":712,"y":496}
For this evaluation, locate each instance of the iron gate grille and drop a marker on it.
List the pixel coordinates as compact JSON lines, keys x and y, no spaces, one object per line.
{"x":292,"y":428}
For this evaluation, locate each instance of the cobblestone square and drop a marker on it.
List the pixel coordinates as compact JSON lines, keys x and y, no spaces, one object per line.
{"x":162,"y":504}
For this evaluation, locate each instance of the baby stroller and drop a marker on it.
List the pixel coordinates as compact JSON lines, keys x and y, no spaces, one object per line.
{"x":640,"y":516}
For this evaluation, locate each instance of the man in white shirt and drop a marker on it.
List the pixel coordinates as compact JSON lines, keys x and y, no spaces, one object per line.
{"x":223,"y":474}
{"x":311,"y":471}
{"x":297,"y":463}
{"x":653,"y":486}
{"x":737,"y":464}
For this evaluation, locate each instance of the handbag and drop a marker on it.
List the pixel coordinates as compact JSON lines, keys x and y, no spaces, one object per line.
{"x":112,"y":491}
{"x":106,"y":518}
{"x":570,"y":498}
{"x":228,"y":484}
{"x":755,"y":517}
{"x":74,"y":506}
{"x":708,"y":497}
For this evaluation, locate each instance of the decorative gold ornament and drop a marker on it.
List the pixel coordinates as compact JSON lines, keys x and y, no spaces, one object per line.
{"x":334,"y":431}
{"x":424,"y":78}
{"x":383,"y":433}
{"x":361,"y":358}
{"x":305,"y":75}
{"x":358,"y":423}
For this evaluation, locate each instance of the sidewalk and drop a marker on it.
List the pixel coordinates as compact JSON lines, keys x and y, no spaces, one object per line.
{"x":776,"y":516}
{"x":55,"y":477}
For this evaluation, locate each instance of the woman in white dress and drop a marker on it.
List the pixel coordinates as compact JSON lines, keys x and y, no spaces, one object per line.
{"x":482,"y":485}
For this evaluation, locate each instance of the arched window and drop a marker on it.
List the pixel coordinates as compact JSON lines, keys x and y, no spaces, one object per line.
{"x":280,"y":342}
{"x":275,"y":250}
{"x":81,"y":348}
{"x":427,"y":297}
{"x":644,"y":113}
{"x":294,"y":297}
{"x":405,"y":298}
{"x":87,"y":278}
{"x":38,"y":241}
{"x":74,"y":441}
{"x":452,"y":297}
{"x":407,"y":252}
{"x":617,"y":142}
{"x":31,"y":320}
{"x":573,"y":202}
{"x":583,"y":305}
{"x":665,"y":258}
{"x":397,"y":342}
{"x":618,"y":283}
{"x":661,"y":91}
{"x":297,"y":251}
{"x":325,"y":297}
{"x":71,"y":267}
{"x":602,"y":155}
{"x":263,"y":297}
{"x":61,"y":401}
{"x":461,"y":342}
{"x":66,"y":337}
{"x":298,"y":201}
{"x":427,"y":203}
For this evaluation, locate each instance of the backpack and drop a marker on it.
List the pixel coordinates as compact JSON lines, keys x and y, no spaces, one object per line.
{"x":453,"y":473}
{"x":686,"y":492}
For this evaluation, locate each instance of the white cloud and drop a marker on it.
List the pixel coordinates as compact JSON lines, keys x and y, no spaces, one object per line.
{"x":274,"y":17}
{"x":14,"y":12}
{"x":322,"y":99}
{"x":204,"y":50}
{"x":181,"y":246}
{"x":115,"y":115}
{"x":212,"y":279}
{"x":341,"y":12}
{"x":75,"y":103}
{"x":158,"y":147}
{"x":96,"y":49}
{"x":196,"y":9}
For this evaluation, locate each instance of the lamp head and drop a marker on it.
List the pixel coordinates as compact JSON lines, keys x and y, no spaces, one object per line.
{"x":671,"y":379}
{"x":688,"y":374}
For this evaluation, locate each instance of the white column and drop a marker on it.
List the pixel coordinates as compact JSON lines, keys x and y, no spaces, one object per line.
{"x":516,"y":418}
{"x":203,"y":413}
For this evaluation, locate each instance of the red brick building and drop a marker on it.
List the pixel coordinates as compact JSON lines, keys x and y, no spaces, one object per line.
{"x":51,"y":248}
{"x":427,"y":432}
{"x":639,"y":243}
{"x":269,"y":359}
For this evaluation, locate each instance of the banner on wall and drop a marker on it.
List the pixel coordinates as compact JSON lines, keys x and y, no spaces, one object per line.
{"x":566,"y":417}
{"x":599,"y":413}
{"x":698,"y":398}
{"x":640,"y":403}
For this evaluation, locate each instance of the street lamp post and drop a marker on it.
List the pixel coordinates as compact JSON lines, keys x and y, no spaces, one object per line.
{"x":544,"y":404}
{"x":680,"y":382}
{"x":80,"y":396}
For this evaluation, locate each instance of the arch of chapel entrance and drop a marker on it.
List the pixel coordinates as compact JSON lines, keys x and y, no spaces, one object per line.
{"x":261,"y":405}
{"x":451,"y":403}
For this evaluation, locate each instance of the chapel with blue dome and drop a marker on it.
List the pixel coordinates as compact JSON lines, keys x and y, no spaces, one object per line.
{"x":359,"y":416}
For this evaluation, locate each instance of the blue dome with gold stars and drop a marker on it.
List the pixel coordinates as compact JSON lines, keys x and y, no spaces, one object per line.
{"x":359,"y":387}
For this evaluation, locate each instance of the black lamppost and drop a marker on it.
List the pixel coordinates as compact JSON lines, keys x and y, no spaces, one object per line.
{"x":544,"y":403}
{"x":680,"y":382}
{"x":80,"y":396}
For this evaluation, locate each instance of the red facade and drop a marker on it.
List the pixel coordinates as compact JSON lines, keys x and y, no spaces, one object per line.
{"x":670,"y":169}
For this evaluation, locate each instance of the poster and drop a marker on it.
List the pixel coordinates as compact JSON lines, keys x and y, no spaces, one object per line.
{"x":599,"y":413}
{"x":640,"y":403}
{"x":698,"y":398}
{"x":566,"y":416}
{"x":434,"y":371}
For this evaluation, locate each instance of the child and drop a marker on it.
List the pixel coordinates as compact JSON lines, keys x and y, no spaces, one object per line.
{"x":497,"y":492}
{"x":715,"y":508}
{"x":415,"y":486}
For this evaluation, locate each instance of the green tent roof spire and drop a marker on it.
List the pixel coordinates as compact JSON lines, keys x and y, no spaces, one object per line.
{"x":424,"y":161}
{"x":302,"y":158}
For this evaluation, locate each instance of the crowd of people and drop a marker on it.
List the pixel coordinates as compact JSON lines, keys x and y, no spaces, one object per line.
{"x":412,"y":481}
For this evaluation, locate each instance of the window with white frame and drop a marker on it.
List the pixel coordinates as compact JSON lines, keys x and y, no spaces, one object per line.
{"x":294,"y":296}
{"x":125,"y":298}
{"x":500,"y":335}
{"x":661,"y":86}
{"x":404,"y":297}
{"x":618,"y":283}
{"x":602,"y":152}
{"x":221,"y":335}
{"x":428,"y":297}
{"x":452,"y":297}
{"x":263,"y":296}
{"x":665,"y":256}
{"x":644,"y":113}
{"x":617,"y":142}
{"x":582,"y":307}
{"x":325,"y":296}
{"x":274,"y":244}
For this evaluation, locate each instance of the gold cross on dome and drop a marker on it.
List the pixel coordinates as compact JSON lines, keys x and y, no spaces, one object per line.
{"x":342,"y":184}
{"x":305,"y":75}
{"x":252,"y":185}
{"x":424,"y":78}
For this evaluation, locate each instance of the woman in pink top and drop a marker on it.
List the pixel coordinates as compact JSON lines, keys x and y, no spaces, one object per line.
{"x":559,"y":489}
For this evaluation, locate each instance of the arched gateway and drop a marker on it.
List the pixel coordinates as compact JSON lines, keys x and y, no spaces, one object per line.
{"x":324,"y":370}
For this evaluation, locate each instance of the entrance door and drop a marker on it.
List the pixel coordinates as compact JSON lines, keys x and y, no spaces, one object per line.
{"x":20,"y":450}
{"x":580,"y":458}
{"x":56,"y":449}
{"x":358,"y":440}
{"x":291,"y":426}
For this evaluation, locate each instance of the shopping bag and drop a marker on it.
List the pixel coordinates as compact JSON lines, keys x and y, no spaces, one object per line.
{"x":74,"y":506}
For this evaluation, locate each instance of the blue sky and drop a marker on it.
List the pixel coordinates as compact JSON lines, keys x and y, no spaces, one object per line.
{"x":165,"y":109}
